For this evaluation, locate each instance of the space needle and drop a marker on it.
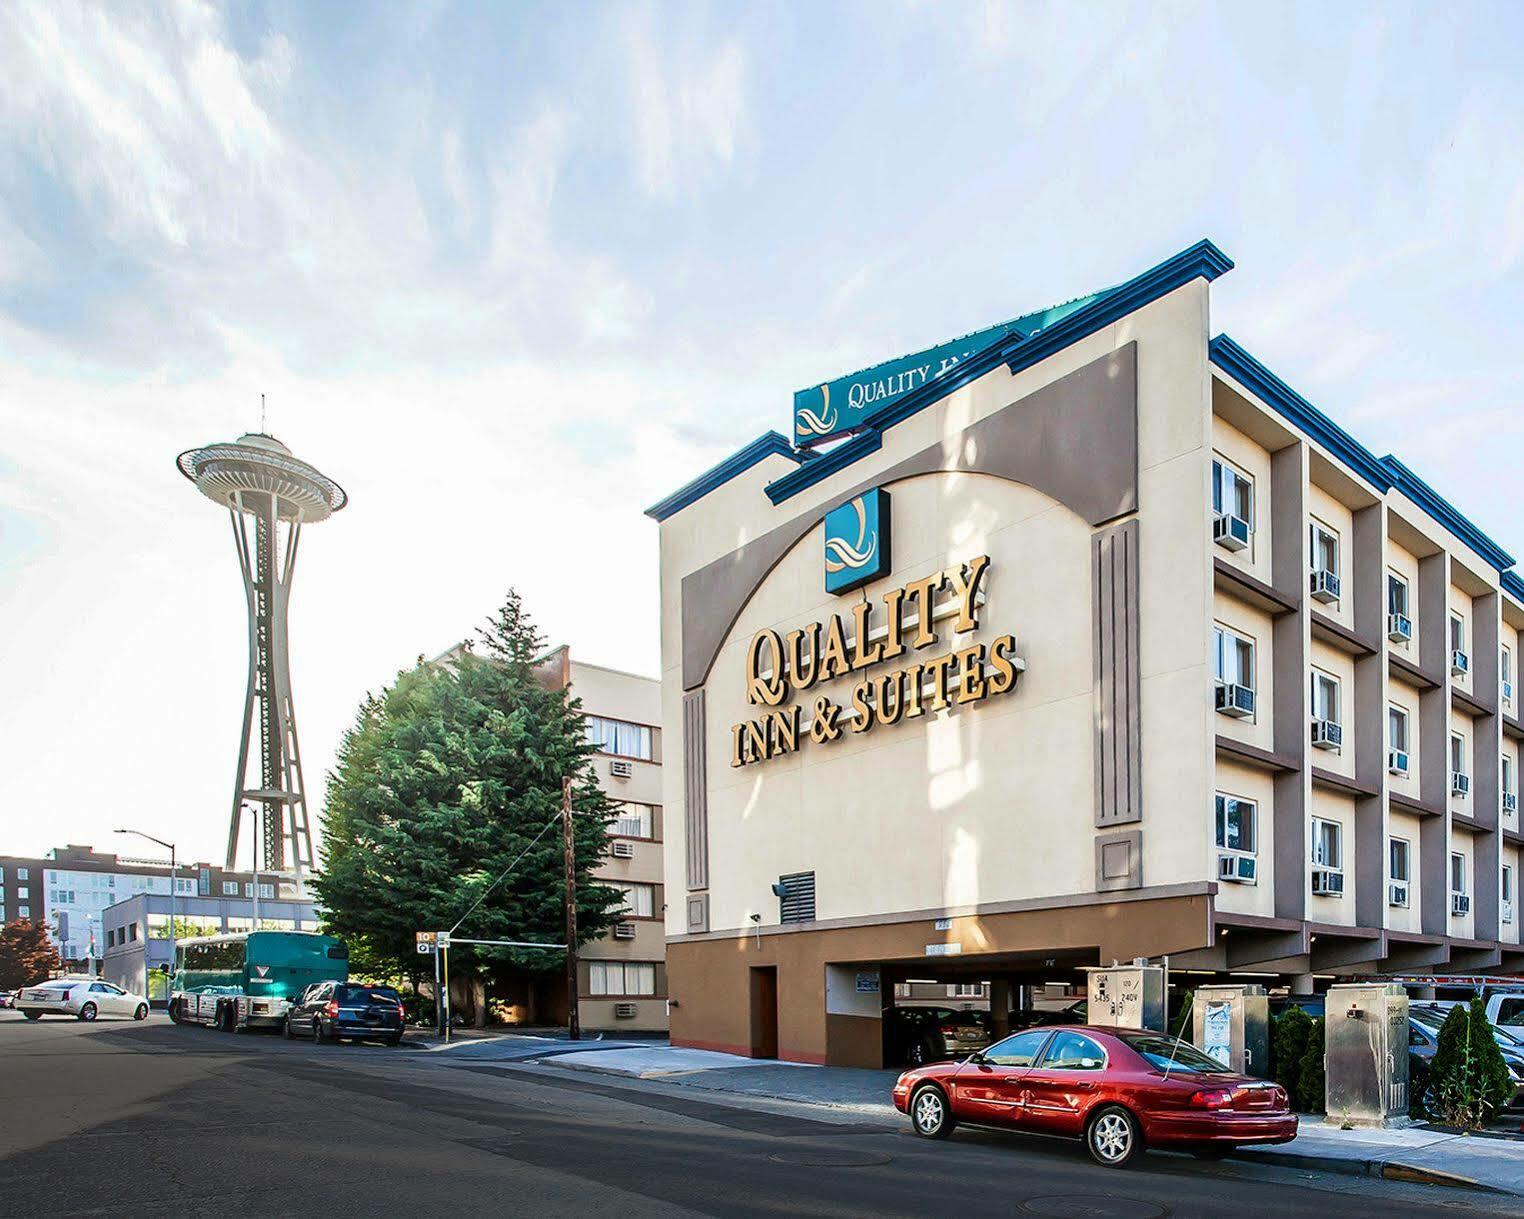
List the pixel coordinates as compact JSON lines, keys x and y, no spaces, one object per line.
{"x":269,"y":495}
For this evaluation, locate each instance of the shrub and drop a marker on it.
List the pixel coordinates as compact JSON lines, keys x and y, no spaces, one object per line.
{"x":1468,"y":1080}
{"x":1288,"y":1042}
{"x":1311,"y":1085}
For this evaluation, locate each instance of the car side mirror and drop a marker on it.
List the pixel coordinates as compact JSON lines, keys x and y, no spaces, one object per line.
{"x":977,"y":1058}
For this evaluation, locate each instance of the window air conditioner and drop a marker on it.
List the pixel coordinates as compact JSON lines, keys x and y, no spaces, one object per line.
{"x":1460,"y":663}
{"x":624,"y":931}
{"x":1397,"y":761}
{"x":1510,"y":802}
{"x":1460,"y":784}
{"x":1397,"y":894}
{"x":1399,"y":628}
{"x":1235,"y":700}
{"x":1508,"y":691}
{"x":622,"y":850}
{"x":1327,"y":734}
{"x":1325,"y":586}
{"x":1239,"y":869}
{"x":1230,"y":532}
{"x":1460,"y":903}
{"x":1327,"y":883}
{"x":620,"y":768}
{"x":624,"y":1011}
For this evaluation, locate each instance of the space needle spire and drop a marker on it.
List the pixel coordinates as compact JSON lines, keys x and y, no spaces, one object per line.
{"x":269,"y":495}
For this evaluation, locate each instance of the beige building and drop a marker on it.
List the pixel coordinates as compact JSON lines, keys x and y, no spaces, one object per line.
{"x":1084,"y":638}
{"x":622,"y":981}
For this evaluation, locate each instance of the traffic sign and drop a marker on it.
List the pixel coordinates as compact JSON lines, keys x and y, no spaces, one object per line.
{"x":442,"y":938}
{"x":425,"y":940}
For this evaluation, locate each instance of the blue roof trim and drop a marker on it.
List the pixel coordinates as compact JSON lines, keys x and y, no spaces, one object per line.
{"x":1258,"y":379}
{"x":1437,"y":506}
{"x":763,"y":446}
{"x":1202,"y":260}
{"x":1513,"y":585}
{"x":1382,"y":472}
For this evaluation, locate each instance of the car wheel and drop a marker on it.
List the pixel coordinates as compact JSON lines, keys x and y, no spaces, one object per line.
{"x":285,"y":1029}
{"x":141,"y":1013}
{"x":87,"y":1012}
{"x":1113,"y":1136}
{"x":394,"y":1042}
{"x":174,"y":1011}
{"x":32,"y":1015}
{"x":929,"y":1115}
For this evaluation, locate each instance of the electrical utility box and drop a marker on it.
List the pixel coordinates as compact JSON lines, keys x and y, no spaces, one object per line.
{"x":1365,"y":1027}
{"x":1125,"y":997}
{"x":1232,"y":1025}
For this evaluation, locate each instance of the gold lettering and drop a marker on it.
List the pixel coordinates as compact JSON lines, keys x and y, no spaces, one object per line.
{"x":912,"y":678}
{"x":971,"y":688}
{"x":861,"y":656}
{"x":863,"y":720}
{"x":756,"y":739}
{"x":890,"y":710}
{"x":759,"y":689}
{"x":783,"y":731}
{"x":924,"y":594}
{"x":1002,"y":653}
{"x":964,"y":580}
{"x":833,"y":655}
{"x":804,"y":677}
{"x":938,"y":670}
{"x":893,"y":604}
{"x":737,"y":757}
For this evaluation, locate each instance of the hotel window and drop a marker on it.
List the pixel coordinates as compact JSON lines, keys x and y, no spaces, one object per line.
{"x":639,"y":900}
{"x":966,"y":990}
{"x":1235,"y":824}
{"x":1232,"y":491}
{"x":1397,"y":595}
{"x":1457,"y":873}
{"x":1508,"y":892}
{"x":1325,"y":697}
{"x":23,"y":890}
{"x":1324,"y":548}
{"x":1397,"y":729}
{"x":1327,"y":844}
{"x":1505,"y":771}
{"x":1458,"y":660}
{"x":1400,"y":853}
{"x":1459,"y":780}
{"x":1505,"y":671}
{"x":23,"y":873}
{"x":1233,"y":663}
{"x":631,"y":820}
{"x":230,"y":888}
{"x":621,"y":978}
{"x":23,"y":912}
{"x":618,"y":736}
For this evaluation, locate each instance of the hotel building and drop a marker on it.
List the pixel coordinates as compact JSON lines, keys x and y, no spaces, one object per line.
{"x":1082,"y":638}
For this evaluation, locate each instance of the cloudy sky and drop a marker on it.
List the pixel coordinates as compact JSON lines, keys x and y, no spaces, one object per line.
{"x":511,"y":273}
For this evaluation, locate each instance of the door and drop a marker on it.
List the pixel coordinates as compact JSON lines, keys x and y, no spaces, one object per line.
{"x":122,"y":1004}
{"x":989,"y":1086}
{"x":314,"y":999}
{"x":1060,"y":1087}
{"x":764,"y":1012}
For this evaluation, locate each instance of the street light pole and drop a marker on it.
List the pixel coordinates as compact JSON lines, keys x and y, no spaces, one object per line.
{"x":573,"y":1020}
{"x":173,"y":908}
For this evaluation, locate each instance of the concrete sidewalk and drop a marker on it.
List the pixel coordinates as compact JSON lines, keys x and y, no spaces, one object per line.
{"x":1414,"y":1154}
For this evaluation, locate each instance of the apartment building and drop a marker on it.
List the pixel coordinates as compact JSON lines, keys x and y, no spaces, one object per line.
{"x":622,"y":981}
{"x":1077,"y":639}
{"x":69,"y":889}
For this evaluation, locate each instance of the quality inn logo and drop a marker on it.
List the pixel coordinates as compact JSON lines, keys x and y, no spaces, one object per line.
{"x":857,"y":541}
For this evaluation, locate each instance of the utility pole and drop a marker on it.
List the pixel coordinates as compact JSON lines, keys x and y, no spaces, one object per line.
{"x":573,"y":1024}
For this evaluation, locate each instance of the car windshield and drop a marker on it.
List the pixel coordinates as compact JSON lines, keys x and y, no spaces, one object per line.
{"x":1176,"y":1057}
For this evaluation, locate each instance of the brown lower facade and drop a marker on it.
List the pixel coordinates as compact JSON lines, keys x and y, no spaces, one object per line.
{"x":816,"y":993}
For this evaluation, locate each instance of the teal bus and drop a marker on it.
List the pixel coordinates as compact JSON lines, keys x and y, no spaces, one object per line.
{"x":251,"y":978}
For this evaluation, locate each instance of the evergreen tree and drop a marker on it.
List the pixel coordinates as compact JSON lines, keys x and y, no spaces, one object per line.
{"x":27,"y":954}
{"x":1311,"y":1083}
{"x":448,"y":779}
{"x":1468,"y":1080}
{"x":1288,"y":1042}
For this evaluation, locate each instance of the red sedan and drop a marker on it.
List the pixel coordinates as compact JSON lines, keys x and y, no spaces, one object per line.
{"x":1118,"y":1089}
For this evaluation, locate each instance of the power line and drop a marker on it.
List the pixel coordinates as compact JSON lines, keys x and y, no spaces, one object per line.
{"x":553,"y":821}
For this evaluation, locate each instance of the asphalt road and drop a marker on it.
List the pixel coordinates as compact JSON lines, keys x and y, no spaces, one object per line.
{"x":125,"y":1117}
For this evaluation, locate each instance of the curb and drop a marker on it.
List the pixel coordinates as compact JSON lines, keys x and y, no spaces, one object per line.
{"x":1390,"y":1170}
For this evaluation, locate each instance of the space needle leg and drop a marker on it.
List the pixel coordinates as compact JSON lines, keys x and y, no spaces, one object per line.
{"x":245,"y":567}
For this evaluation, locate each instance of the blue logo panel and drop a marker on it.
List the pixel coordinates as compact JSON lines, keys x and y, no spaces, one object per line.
{"x":857,"y":541}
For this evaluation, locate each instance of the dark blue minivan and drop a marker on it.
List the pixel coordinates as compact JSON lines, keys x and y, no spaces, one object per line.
{"x":347,"y":1011}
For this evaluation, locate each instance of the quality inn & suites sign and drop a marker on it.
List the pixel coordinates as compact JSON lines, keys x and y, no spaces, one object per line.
{"x":903,"y":624}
